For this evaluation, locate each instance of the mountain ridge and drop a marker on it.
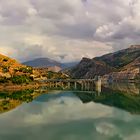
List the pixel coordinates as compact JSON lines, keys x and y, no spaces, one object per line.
{"x":120,"y":63}
{"x":45,"y":62}
{"x":42,"y":62}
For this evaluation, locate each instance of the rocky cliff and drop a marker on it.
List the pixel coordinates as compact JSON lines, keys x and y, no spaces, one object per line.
{"x":88,"y":68}
{"x":120,"y":65}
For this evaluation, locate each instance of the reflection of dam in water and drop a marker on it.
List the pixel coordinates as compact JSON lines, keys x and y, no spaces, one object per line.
{"x":74,"y":84}
{"x":90,"y":85}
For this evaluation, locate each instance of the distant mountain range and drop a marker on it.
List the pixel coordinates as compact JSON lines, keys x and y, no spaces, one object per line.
{"x":42,"y":62}
{"x":48,"y":63}
{"x":121,"y":65}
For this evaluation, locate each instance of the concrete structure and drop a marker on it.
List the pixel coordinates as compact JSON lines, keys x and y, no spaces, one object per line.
{"x":82,"y":84}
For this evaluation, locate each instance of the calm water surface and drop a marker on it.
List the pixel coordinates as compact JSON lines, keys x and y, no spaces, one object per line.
{"x":113,"y":114}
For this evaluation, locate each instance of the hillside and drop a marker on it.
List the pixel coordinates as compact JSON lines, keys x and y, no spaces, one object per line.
{"x":88,"y":68}
{"x":121,"y":58}
{"x":10,"y":67}
{"x":119,"y":65}
{"x":12,"y":70}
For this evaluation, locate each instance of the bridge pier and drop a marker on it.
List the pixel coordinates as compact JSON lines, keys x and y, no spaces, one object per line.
{"x":82,"y":85}
{"x":98,"y":85}
{"x":62,"y":84}
{"x":88,"y":85}
{"x":75,"y":85}
{"x":68,"y":85}
{"x":49,"y":84}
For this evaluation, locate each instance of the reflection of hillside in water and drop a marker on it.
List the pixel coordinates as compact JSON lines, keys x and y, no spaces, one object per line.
{"x":123,"y":96}
{"x":129,"y":88}
{"x":11,"y":99}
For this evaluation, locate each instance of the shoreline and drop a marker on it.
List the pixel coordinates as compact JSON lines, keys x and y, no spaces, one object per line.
{"x":37,"y":85}
{"x":14,"y":87}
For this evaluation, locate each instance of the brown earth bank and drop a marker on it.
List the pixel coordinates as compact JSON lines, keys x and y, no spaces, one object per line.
{"x":15,"y":87}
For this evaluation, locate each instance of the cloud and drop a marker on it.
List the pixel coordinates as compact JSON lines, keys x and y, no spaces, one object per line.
{"x":57,"y":28}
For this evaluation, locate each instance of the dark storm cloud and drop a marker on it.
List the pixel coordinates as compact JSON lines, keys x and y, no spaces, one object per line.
{"x":77,"y":31}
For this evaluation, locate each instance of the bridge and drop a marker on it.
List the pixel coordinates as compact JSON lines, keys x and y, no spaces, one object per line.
{"x":83,"y":84}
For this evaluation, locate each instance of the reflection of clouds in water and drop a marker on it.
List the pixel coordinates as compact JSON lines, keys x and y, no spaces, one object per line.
{"x":71,"y":120}
{"x":135,"y":136}
{"x":107,"y":129}
{"x":72,"y":109}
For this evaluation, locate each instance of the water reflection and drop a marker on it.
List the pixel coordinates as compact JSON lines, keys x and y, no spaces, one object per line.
{"x":61,"y":115}
{"x":71,"y":115}
{"x":11,"y":99}
{"x":125,"y":96}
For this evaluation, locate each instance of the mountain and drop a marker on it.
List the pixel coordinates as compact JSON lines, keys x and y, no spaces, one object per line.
{"x":69,"y":64}
{"x":123,"y":64}
{"x":88,"y":68}
{"x":52,"y":65}
{"x":121,"y":58}
{"x":42,"y":62}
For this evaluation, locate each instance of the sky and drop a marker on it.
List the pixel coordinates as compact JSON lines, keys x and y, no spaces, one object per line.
{"x":67,"y":30}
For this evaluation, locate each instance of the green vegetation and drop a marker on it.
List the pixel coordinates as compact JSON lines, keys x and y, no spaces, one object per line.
{"x":3,"y":80}
{"x":56,"y":75}
{"x":5,"y":69}
{"x":24,"y":70}
{"x":21,"y":79}
{"x":25,"y":95}
{"x":50,"y":75}
{"x":10,"y":100}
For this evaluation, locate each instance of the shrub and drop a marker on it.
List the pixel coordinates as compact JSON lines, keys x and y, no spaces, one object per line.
{"x":21,"y":79}
{"x":26,"y":70}
{"x":3,"y":80}
{"x":5,"y":69}
{"x":50,"y":75}
{"x":5,"y":59}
